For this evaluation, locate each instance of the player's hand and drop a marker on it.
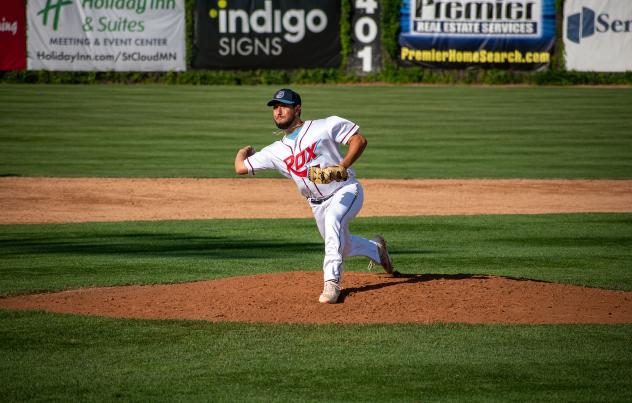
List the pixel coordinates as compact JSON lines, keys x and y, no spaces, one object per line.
{"x":246,"y":151}
{"x":241,"y":156}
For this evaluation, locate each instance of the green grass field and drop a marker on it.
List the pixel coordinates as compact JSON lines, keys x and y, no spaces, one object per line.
{"x":62,"y":358}
{"x":584,"y":249}
{"x":413,"y":132}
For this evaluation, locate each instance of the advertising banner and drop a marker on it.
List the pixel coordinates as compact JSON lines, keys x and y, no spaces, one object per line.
{"x":12,"y":35}
{"x":598,"y":35}
{"x":516,"y":34}
{"x":267,"y":34}
{"x":104,"y":35}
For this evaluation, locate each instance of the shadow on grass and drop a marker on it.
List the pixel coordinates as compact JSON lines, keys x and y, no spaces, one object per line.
{"x":153,"y":244}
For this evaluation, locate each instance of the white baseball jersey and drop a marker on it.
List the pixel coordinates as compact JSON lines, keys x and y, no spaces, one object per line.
{"x":315,"y":145}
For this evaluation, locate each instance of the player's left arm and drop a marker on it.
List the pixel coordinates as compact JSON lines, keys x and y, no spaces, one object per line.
{"x":357,"y":144}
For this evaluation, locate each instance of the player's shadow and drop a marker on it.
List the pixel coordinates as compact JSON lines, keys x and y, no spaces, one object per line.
{"x":420,"y":278}
{"x":408,"y":279}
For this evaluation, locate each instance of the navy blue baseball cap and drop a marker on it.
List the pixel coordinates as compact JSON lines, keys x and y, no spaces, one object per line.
{"x":285,"y":96}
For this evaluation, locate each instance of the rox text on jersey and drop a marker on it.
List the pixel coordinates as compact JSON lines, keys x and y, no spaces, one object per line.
{"x":295,"y":163}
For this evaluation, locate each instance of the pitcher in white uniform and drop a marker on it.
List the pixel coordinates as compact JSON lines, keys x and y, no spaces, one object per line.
{"x":316,"y":143}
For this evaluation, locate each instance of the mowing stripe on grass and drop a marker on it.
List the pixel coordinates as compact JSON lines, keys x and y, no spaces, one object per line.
{"x":413,"y":132}
{"x":67,"y":358}
{"x":585,"y":249}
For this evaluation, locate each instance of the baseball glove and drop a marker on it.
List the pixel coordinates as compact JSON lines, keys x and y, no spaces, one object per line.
{"x":336,"y":173}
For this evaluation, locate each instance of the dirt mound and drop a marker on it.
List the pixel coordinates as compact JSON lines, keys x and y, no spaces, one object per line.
{"x":367,"y":298}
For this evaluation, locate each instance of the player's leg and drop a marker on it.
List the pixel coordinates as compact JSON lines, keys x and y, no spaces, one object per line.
{"x":332,"y":273}
{"x":319,"y":215}
{"x":358,"y":246}
{"x":339,"y":211}
{"x":352,"y":245}
{"x":332,"y":218}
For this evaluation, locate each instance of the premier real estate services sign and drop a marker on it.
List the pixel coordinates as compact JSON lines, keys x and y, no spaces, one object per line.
{"x":598,"y":35}
{"x":106,"y":35}
{"x":517,"y":34}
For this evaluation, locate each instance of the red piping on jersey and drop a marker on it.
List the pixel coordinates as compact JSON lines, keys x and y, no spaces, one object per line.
{"x":282,"y":142}
{"x":306,"y":130}
{"x":307,"y":186}
{"x":251,"y":168}
{"x":291,"y":149}
{"x":316,"y":186}
{"x":344,"y":139}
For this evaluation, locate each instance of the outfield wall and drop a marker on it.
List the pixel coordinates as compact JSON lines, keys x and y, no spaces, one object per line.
{"x":266,"y":42}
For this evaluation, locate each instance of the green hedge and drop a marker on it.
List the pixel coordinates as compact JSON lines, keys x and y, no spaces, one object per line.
{"x":391,"y":72}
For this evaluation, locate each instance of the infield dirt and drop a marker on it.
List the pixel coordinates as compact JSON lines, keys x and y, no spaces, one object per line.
{"x":292,"y":297}
{"x":64,"y":200}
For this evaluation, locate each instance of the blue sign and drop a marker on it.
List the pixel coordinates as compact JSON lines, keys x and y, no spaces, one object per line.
{"x":462,"y":33}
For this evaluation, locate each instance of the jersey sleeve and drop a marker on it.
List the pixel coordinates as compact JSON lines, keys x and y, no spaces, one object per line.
{"x":258,"y":161}
{"x":341,"y":129}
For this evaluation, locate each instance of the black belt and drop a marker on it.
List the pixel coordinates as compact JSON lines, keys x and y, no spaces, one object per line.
{"x":319,"y":201}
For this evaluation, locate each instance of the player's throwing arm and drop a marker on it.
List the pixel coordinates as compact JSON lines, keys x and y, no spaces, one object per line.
{"x":241,"y":156}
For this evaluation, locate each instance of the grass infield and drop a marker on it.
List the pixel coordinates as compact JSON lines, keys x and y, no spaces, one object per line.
{"x":413,"y":132}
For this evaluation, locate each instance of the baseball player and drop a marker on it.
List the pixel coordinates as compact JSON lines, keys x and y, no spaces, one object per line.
{"x":309,"y":154}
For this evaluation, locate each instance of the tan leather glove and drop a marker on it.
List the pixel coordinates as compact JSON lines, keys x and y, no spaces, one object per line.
{"x":336,"y":173}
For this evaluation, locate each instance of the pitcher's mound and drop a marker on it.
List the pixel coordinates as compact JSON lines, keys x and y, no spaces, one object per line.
{"x":367,"y":298}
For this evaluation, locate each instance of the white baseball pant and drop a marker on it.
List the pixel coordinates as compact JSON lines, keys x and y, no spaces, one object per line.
{"x":333,"y":217}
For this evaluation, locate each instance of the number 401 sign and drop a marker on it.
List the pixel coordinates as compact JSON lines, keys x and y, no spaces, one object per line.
{"x":365,"y":34}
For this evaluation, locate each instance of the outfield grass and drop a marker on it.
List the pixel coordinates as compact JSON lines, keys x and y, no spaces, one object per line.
{"x":413,"y":132}
{"x":586,"y":249}
{"x":63,"y":358}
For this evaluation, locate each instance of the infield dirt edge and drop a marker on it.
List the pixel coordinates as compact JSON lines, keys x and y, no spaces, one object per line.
{"x":68,"y":200}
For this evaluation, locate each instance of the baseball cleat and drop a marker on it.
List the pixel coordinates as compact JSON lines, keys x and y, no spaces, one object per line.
{"x":331,"y":292}
{"x":385,"y":258}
